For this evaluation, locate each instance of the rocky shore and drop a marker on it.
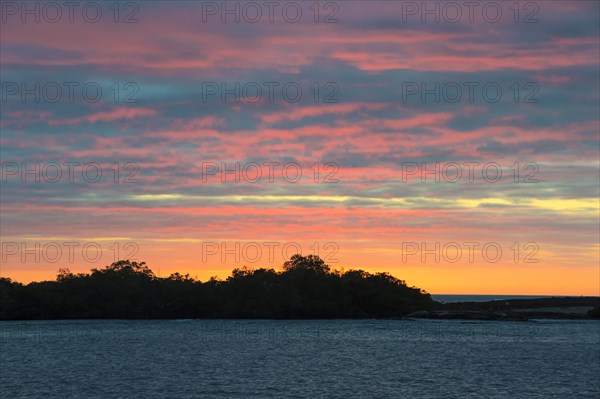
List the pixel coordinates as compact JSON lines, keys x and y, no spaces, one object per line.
{"x":517,"y":309}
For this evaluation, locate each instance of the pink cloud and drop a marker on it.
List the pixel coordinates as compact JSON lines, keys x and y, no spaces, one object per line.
{"x":107,"y":116}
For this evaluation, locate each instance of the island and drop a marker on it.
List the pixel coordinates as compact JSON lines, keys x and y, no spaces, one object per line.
{"x":306,"y":288}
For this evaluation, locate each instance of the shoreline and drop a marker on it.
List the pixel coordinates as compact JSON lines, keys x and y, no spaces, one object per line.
{"x":556,"y":308}
{"x":560,"y":308}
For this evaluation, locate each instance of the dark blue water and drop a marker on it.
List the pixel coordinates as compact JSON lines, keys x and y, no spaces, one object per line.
{"x":300,"y":359}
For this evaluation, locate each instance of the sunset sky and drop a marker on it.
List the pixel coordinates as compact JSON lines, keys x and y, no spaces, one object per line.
{"x":378,"y":105}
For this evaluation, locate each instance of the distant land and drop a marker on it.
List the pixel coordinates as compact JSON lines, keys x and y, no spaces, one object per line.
{"x":515,"y":308}
{"x":306,"y":288}
{"x":449,"y":298}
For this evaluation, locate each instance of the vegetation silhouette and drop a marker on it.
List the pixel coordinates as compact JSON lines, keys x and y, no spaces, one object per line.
{"x":306,"y":288}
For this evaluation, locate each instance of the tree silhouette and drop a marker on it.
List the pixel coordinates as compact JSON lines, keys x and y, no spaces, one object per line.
{"x":311,"y":263}
{"x":306,"y":288}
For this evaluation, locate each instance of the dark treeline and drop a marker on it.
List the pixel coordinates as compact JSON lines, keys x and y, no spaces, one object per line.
{"x":306,"y":288}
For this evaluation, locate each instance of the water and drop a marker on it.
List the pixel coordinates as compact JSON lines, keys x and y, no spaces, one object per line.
{"x":300,"y":359}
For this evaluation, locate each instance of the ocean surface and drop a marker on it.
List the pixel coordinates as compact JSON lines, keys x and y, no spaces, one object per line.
{"x":300,"y":359}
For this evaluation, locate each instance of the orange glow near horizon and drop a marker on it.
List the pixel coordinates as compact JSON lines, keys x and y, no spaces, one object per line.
{"x":475,"y":278}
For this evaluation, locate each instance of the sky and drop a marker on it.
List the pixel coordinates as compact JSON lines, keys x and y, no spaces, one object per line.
{"x":453,"y":145}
